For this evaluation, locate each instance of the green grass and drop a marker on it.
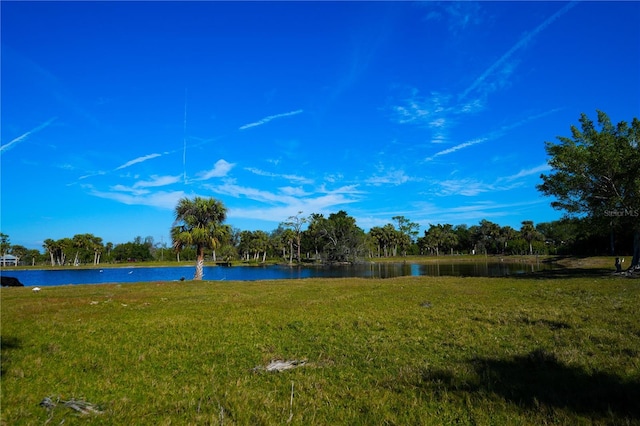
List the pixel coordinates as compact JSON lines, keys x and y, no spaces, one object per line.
{"x":405,"y":351}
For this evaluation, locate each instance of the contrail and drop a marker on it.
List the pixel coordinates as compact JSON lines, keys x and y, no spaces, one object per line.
{"x":519,"y":45}
{"x":457,"y":147}
{"x":137,"y":160}
{"x":11,"y":144}
{"x":493,"y":135}
{"x":269,"y":118}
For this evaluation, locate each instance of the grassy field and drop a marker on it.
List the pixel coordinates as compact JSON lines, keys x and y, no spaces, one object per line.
{"x":405,"y":351}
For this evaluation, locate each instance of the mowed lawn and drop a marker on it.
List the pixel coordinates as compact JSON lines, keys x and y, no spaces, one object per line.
{"x":404,"y":351}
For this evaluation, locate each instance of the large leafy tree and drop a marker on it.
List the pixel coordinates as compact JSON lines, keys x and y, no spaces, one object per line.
{"x":463,"y":235}
{"x":135,"y":251}
{"x":198,"y":223}
{"x":344,"y":240}
{"x":595,"y":172}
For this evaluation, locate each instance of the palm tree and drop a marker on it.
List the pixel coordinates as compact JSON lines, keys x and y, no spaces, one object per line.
{"x":440,"y":236}
{"x":377,"y":237}
{"x":506,"y":234}
{"x":288,"y":237}
{"x":529,"y":233}
{"x":198,"y":223}
{"x":50,"y":246}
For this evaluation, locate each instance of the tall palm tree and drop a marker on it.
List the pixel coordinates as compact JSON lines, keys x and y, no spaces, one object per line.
{"x":50,"y":247}
{"x":529,"y":233}
{"x":198,"y":223}
{"x":288,"y":237}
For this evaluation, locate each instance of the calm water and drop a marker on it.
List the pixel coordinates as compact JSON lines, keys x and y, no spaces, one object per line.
{"x":254,"y":273}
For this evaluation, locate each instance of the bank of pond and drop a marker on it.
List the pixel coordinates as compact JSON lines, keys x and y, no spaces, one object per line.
{"x":53,"y":277}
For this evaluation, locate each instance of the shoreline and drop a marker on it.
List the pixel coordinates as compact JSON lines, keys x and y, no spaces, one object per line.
{"x":562,"y":261}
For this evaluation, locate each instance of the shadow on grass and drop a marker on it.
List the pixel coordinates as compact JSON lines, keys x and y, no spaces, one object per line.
{"x":7,"y":344}
{"x":539,"y":379}
{"x":565,"y":272}
{"x":552,"y":325}
{"x":573,"y":267}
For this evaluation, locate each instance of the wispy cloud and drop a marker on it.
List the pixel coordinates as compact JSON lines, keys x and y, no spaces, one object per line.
{"x":92,"y":174}
{"x":237,"y":191}
{"x":470,"y":187}
{"x":129,"y":189}
{"x":287,"y":201}
{"x":269,"y":118}
{"x":465,"y":187}
{"x":470,"y":213}
{"x":347,"y":189}
{"x":294,"y":191}
{"x":438,"y":112}
{"x":528,"y":172}
{"x":413,"y":110}
{"x":502,"y":130}
{"x":138,"y":160}
{"x":157,"y":181}
{"x":502,"y":66}
{"x":140,"y":189}
{"x":492,"y":135}
{"x":425,"y":213}
{"x":293,"y":178}
{"x":160,"y":199}
{"x":220,"y":169}
{"x":289,"y":206}
{"x":392,"y":177}
{"x":24,"y":136}
{"x":421,"y":110}
{"x":460,"y":15}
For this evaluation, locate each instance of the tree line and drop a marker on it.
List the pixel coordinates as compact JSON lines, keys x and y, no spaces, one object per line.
{"x":338,"y":238}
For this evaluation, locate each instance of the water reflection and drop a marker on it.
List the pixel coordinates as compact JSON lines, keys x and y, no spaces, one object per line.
{"x":437,"y":269}
{"x":272,"y":272}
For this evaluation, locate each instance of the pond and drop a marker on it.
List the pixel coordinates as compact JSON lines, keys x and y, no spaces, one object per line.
{"x":271,"y":272}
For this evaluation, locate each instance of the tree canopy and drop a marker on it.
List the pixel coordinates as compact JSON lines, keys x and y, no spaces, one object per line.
{"x":198,"y":223}
{"x":595,"y":173}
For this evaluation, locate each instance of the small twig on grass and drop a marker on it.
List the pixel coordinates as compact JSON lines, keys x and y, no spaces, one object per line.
{"x":291,"y":405}
{"x":280,"y":365}
{"x":221,"y":416}
{"x":82,"y":407}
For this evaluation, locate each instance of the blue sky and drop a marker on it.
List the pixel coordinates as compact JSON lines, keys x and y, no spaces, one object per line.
{"x":436,"y":111}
